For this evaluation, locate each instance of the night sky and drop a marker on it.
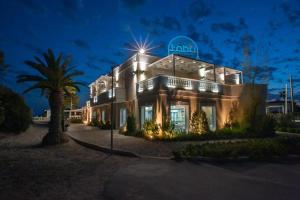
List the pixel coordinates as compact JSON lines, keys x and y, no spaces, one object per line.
{"x":99,"y":34}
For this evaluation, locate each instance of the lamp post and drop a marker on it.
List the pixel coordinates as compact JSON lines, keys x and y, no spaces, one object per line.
{"x":111,"y":110}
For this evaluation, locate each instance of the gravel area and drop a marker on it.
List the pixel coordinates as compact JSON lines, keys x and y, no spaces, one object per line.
{"x":67,"y":171}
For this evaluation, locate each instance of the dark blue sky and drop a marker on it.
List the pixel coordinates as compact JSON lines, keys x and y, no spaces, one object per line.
{"x":98,"y":34}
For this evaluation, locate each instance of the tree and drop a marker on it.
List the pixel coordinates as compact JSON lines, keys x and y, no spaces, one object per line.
{"x":71,"y":99}
{"x":199,"y":123}
{"x":255,"y":63}
{"x":3,"y":65}
{"x":55,"y":77}
{"x":255,"y":70}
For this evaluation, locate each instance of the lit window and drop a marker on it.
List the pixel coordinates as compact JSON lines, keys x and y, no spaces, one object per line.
{"x":202,"y":86}
{"x":146,"y":114}
{"x":103,"y":116}
{"x":111,"y":94}
{"x":123,"y":116}
{"x":95,"y":100}
{"x":150,"y":84}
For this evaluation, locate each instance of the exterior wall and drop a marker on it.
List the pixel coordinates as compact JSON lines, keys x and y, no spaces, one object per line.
{"x":162,"y":98}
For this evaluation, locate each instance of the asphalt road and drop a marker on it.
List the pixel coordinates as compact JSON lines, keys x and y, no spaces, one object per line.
{"x":157,"y":179}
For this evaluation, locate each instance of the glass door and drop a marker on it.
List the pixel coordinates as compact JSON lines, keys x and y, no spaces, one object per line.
{"x":210,"y":112}
{"x":179,"y":117}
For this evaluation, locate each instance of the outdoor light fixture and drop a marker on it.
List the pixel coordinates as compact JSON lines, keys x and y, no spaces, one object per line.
{"x":142,"y":51}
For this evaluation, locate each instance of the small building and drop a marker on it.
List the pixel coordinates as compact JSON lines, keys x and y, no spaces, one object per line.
{"x":172,"y":87}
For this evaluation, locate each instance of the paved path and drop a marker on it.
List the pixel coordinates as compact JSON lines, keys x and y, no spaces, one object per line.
{"x":138,"y":146}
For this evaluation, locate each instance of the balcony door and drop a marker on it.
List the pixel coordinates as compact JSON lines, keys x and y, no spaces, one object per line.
{"x":179,"y":117}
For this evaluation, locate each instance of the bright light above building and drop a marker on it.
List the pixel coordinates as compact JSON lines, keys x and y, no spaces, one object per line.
{"x":142,"y":51}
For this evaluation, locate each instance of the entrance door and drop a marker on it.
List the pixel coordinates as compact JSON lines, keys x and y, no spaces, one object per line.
{"x":210,"y":112}
{"x":179,"y":117}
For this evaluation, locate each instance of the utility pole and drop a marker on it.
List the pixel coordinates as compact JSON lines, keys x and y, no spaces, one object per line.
{"x":111,"y":110}
{"x":291,"y":93}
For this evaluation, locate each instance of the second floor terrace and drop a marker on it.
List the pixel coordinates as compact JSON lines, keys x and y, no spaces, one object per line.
{"x":169,"y":73}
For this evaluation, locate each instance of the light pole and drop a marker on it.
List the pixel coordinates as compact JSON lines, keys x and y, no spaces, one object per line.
{"x":111,"y":110}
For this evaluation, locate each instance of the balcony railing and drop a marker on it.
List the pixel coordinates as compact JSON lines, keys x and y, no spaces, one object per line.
{"x":171,"y":82}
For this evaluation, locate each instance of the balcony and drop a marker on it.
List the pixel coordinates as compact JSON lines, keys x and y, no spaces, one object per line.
{"x":171,"y":83}
{"x":106,"y":96}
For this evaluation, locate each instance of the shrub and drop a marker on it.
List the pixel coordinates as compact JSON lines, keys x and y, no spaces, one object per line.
{"x":267,"y":126}
{"x":95,"y":122}
{"x":76,"y":121}
{"x":16,"y":115}
{"x":168,"y":129}
{"x":284,"y":120}
{"x":199,"y":124}
{"x":151,"y":129}
{"x":255,"y":149}
{"x":131,"y":126}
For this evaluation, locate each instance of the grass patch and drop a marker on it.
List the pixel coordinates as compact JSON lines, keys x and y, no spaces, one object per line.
{"x":254,"y":149}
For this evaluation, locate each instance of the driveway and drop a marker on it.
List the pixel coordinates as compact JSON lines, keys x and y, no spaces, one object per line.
{"x":152,"y":179}
{"x":70,"y":171}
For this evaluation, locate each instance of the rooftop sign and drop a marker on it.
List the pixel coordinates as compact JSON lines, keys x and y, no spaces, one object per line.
{"x":184,"y":46}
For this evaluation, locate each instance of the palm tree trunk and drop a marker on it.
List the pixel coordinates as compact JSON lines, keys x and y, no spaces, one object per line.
{"x":55,"y":135}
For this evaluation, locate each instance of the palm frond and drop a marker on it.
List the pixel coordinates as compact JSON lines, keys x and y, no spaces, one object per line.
{"x":28,"y":78}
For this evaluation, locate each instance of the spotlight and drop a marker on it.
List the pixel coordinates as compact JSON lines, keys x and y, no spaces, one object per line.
{"x":142,"y":51}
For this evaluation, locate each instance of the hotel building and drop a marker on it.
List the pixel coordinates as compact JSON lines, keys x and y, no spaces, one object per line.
{"x":173,"y":87}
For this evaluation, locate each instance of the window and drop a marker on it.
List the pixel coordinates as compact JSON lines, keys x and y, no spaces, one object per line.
{"x":179,"y":117}
{"x":123,"y":116}
{"x":103,"y":116}
{"x":146,"y":114}
{"x":210,"y":112}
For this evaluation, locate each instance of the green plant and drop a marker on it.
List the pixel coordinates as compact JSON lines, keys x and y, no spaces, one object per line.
{"x":16,"y":115}
{"x":151,"y":129}
{"x":76,"y":121}
{"x":284,"y":120}
{"x":232,"y":118}
{"x":131,"y":125}
{"x":199,"y":123}
{"x":55,"y":79}
{"x":266,"y":126}
{"x":255,"y":149}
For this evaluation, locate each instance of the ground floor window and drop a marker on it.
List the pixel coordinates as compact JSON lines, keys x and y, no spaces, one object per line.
{"x":146,"y":114}
{"x":179,"y":117}
{"x":210,"y":112}
{"x":94,"y":115}
{"x":103,"y":116}
{"x":123,"y":116}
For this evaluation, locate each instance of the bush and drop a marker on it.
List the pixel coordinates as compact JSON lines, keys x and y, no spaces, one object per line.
{"x":76,"y":121}
{"x":199,"y":124}
{"x":266,"y":126}
{"x":255,"y":149}
{"x":284,"y":120}
{"x":131,"y":126}
{"x":95,"y":122}
{"x":15,"y":114}
{"x":151,"y":129}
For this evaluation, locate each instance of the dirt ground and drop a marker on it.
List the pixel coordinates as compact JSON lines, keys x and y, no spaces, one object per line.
{"x":67,"y":171}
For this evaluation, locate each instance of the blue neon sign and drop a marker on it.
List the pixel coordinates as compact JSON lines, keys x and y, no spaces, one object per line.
{"x":183,"y":45}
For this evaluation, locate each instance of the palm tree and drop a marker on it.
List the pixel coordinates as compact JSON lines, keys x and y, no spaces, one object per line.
{"x":54,"y":79}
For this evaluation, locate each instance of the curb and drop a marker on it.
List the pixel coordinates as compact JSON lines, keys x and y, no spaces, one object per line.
{"x":104,"y":149}
{"x":117,"y":151}
{"x":288,"y":158}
